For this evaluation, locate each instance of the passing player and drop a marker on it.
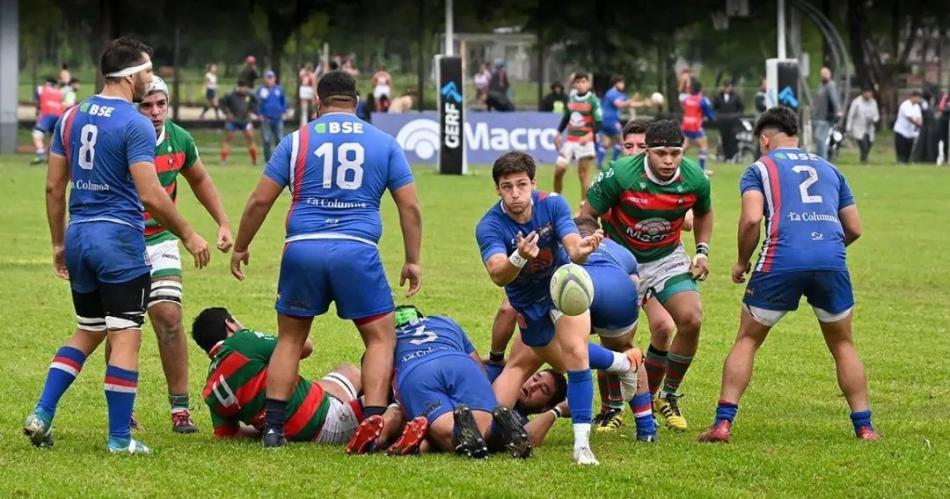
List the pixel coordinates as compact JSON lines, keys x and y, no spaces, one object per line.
{"x":582,"y":118}
{"x":440,"y":380}
{"x":105,"y":149}
{"x":325,"y":411}
{"x":645,"y":198}
{"x":175,"y":153}
{"x":696,"y":107}
{"x":523,"y":239}
{"x":49,"y":107}
{"x":337,"y":169}
{"x":239,"y":108}
{"x":810,"y":218}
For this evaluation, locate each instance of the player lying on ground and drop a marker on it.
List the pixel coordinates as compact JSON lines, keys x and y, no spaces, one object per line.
{"x":325,"y":411}
{"x":642,"y":201}
{"x":175,"y":152}
{"x":810,"y":218}
{"x":105,"y":149}
{"x":337,"y":169}
{"x":445,"y":393}
{"x":523,"y":239}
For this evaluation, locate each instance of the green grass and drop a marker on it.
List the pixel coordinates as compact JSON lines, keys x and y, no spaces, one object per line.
{"x":793,"y":437}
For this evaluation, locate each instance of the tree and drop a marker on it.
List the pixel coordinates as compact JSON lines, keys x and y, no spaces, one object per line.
{"x":283,"y":19}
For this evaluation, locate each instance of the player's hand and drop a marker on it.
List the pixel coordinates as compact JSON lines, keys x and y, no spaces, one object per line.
{"x":237,"y":258}
{"x":411,"y":272}
{"x":59,"y":262}
{"x":590,"y":243}
{"x":198,"y":247}
{"x":700,"y":267}
{"x":528,"y":246}
{"x":739,"y":271}
{"x":225,"y":240}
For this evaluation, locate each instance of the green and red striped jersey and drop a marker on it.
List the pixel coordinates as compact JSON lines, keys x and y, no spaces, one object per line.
{"x":236,"y":385}
{"x":643,"y":213}
{"x":175,"y":151}
{"x":584,"y":116}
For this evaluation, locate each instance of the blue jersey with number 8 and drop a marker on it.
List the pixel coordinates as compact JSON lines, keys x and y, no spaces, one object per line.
{"x":101,"y":138}
{"x":803,"y":194}
{"x":337,"y":169}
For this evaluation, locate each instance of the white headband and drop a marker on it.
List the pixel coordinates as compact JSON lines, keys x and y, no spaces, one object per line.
{"x":130,"y":70}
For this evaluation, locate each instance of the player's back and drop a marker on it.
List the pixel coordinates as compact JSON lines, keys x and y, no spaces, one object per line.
{"x":429,"y":338}
{"x":337,"y":168}
{"x":610,"y":110}
{"x":615,"y":294}
{"x":613,"y":255}
{"x":101,"y":138}
{"x":803,"y":195}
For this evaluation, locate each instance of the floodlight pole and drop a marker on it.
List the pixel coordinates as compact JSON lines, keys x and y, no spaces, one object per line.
{"x":781,"y":28}
{"x":449,"y":30}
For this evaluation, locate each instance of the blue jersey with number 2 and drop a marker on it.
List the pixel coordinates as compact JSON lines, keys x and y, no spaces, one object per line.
{"x":803,"y":194}
{"x":337,"y":169}
{"x":101,"y":138}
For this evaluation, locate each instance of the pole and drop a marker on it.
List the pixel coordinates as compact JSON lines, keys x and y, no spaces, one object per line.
{"x":176,"y":63}
{"x":9,"y":73}
{"x":781,"y":29}
{"x":420,"y":69}
{"x":449,"y":30}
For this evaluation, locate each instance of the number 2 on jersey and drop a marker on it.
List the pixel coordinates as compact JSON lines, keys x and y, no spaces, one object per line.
{"x":422,"y":335}
{"x":808,"y":182}
{"x":350,"y":156}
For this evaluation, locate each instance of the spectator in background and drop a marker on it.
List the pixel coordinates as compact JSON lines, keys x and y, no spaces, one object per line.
{"x":249,"y":75}
{"x":943,"y":107}
{"x":862,"y":116}
{"x":382,"y":84}
{"x":64,"y":75}
{"x":907,"y":126}
{"x":498,"y":87}
{"x":761,"y":97}
{"x":71,"y":93}
{"x":925,"y":149}
{"x":211,"y":91}
{"x":307,"y":82}
{"x":272,"y":105}
{"x":239,"y":107}
{"x":404,"y":103}
{"x":825,"y":111}
{"x":350,"y":67}
{"x":482,"y":79}
{"x":728,"y":106}
{"x":554,"y":101}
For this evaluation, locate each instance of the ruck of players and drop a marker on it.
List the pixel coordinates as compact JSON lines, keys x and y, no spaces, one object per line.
{"x":578,"y":278}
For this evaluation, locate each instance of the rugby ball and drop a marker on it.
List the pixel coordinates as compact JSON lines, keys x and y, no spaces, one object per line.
{"x":657,"y":98}
{"x":571,"y":289}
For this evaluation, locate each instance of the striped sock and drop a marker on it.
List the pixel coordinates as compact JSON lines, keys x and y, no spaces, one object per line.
{"x":609,"y":387}
{"x":726,"y":411}
{"x":580,"y":396}
{"x":120,"y":386}
{"x":178,"y":403}
{"x":676,"y":367}
{"x":66,"y":365}
{"x":642,"y":406}
{"x":655,"y":363}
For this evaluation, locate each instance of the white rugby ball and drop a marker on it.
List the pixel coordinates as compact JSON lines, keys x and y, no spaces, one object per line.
{"x":572,"y":289}
{"x":657,"y":99}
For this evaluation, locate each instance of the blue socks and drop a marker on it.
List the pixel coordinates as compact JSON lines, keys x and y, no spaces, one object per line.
{"x":66,"y":365}
{"x":702,"y":159}
{"x":861,"y":419}
{"x":120,"y":386}
{"x":580,"y":396}
{"x":599,"y":357}
{"x":726,"y":411}
{"x":642,"y":407}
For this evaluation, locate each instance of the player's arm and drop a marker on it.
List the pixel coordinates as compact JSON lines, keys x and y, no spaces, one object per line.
{"x":206,"y":193}
{"x":848,"y":212}
{"x":707,"y":109}
{"x":541,"y":424}
{"x":504,"y":269}
{"x":255,"y":212}
{"x":598,"y":115}
{"x":604,"y":192}
{"x":753,"y":203}
{"x":57,"y":177}
{"x":410,"y":221}
{"x":578,"y":248}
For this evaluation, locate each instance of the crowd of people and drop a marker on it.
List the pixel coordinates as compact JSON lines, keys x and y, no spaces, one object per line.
{"x":421,"y":385}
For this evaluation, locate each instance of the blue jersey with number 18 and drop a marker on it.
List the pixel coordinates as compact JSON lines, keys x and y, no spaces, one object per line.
{"x":803,"y":194}
{"x":337,"y":169}
{"x":101,"y":138}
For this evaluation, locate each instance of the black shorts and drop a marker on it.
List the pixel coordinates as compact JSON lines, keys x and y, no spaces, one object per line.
{"x":113,"y":306}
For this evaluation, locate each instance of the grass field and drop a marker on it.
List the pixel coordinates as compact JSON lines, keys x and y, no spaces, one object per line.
{"x":793,"y":436}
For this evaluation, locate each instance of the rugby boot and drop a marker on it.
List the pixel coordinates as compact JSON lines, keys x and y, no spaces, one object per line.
{"x":468,"y":440}
{"x":512,"y":432}
{"x":413,"y":433}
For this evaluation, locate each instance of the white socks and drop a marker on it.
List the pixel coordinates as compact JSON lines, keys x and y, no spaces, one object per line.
{"x":581,"y":435}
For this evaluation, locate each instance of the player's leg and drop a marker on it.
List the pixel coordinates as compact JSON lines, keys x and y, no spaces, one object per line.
{"x":754,"y":326}
{"x":641,"y":399}
{"x":829,"y":293}
{"x":686,"y":310}
{"x":502,"y":329}
{"x":248,"y":133}
{"x":226,"y":144}
{"x":661,"y":336}
{"x":342,"y":386}
{"x":38,"y":138}
{"x":282,"y":373}
{"x":560,"y":165}
{"x":584,"y":166}
{"x":703,"y":142}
